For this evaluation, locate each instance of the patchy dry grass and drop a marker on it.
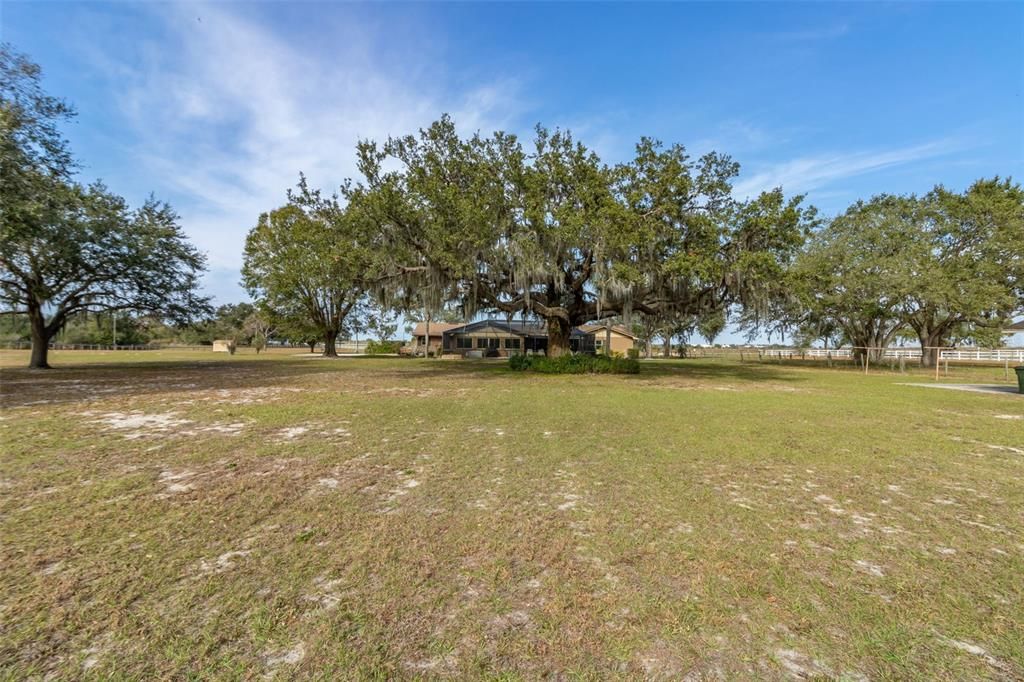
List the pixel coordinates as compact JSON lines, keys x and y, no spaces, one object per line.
{"x":190,"y":516}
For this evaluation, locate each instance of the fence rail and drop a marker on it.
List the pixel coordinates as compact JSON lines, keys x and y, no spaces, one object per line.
{"x":27,"y":345}
{"x":342,"y":346}
{"x":950,"y":354}
{"x":961,"y":354}
{"x":947,"y":354}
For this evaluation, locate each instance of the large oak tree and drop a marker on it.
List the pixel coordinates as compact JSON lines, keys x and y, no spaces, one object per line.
{"x":964,"y":265}
{"x":853,"y":276}
{"x":552,"y":233}
{"x":64,"y":248}
{"x":947,"y":265}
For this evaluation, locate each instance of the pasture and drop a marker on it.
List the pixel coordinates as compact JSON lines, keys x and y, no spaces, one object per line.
{"x":186,"y":515}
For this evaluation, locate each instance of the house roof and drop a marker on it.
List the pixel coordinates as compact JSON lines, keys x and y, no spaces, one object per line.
{"x":518,"y":327}
{"x":598,"y":327}
{"x":436,"y":328}
{"x":1014,"y":328}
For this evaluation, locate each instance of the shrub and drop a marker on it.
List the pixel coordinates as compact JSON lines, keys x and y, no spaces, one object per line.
{"x":633,"y":353}
{"x":382,"y":347}
{"x":574,"y":364}
{"x":519,"y":363}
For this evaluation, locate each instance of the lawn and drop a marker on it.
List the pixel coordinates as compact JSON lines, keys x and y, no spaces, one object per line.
{"x":186,"y":515}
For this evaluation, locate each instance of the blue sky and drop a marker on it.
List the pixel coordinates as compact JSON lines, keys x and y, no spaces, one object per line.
{"x":218,"y":107}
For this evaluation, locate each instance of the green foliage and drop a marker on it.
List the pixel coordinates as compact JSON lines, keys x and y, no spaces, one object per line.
{"x":307,"y":262}
{"x":852,"y":275}
{"x":965,"y":261}
{"x":520,"y":362}
{"x":554,"y":233}
{"x":947,"y":266}
{"x":574,"y":364}
{"x":380,"y":321}
{"x":15,"y":328}
{"x":228,"y":321}
{"x":65,"y":248}
{"x":382,"y":347}
{"x":99,"y":329}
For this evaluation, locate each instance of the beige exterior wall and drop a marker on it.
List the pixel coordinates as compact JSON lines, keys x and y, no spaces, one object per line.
{"x":435,"y":343}
{"x":620,"y":342}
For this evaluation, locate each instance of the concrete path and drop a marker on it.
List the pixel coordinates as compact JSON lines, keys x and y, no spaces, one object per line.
{"x":974,"y":388}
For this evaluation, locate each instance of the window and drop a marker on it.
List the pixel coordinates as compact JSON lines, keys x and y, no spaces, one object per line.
{"x":487,"y":343}
{"x":512,"y":343}
{"x":463,"y":342}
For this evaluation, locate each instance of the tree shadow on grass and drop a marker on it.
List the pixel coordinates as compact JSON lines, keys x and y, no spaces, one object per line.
{"x":719,"y":370}
{"x":78,"y":382}
{"x":71,"y":383}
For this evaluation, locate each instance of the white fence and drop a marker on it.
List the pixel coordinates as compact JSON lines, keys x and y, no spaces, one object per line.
{"x":951,"y":354}
{"x":1001,"y":355}
{"x":342,"y":346}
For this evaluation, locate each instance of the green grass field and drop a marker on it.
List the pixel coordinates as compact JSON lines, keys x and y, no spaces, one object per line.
{"x":192,"y":516}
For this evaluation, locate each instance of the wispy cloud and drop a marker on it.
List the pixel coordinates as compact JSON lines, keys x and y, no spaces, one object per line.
{"x":811,"y":172}
{"x":740,"y":137}
{"x":228,"y":117}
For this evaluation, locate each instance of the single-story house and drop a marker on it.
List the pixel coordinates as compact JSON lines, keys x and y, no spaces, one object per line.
{"x":1014,"y":332}
{"x":622,"y":340}
{"x":502,"y":338}
{"x":420,"y":343}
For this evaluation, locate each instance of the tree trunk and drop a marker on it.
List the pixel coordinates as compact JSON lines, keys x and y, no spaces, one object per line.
{"x":40,"y":341}
{"x":666,"y":349}
{"x":558,"y":337}
{"x":426,"y":349}
{"x":312,"y":346}
{"x":647,"y":349}
{"x":929,"y":349}
{"x":330,"y":347}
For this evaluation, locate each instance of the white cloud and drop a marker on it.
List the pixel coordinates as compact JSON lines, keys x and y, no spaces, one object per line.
{"x":228,"y":111}
{"x":810,"y":172}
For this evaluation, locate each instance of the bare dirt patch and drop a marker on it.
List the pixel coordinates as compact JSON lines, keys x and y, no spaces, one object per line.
{"x":224,"y":562}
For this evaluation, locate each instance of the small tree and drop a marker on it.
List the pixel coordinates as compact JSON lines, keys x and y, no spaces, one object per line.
{"x":308,"y":257}
{"x":646,"y":329}
{"x":381,"y":322}
{"x":259,"y":327}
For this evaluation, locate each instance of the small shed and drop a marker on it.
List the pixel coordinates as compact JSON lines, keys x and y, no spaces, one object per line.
{"x":224,"y":346}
